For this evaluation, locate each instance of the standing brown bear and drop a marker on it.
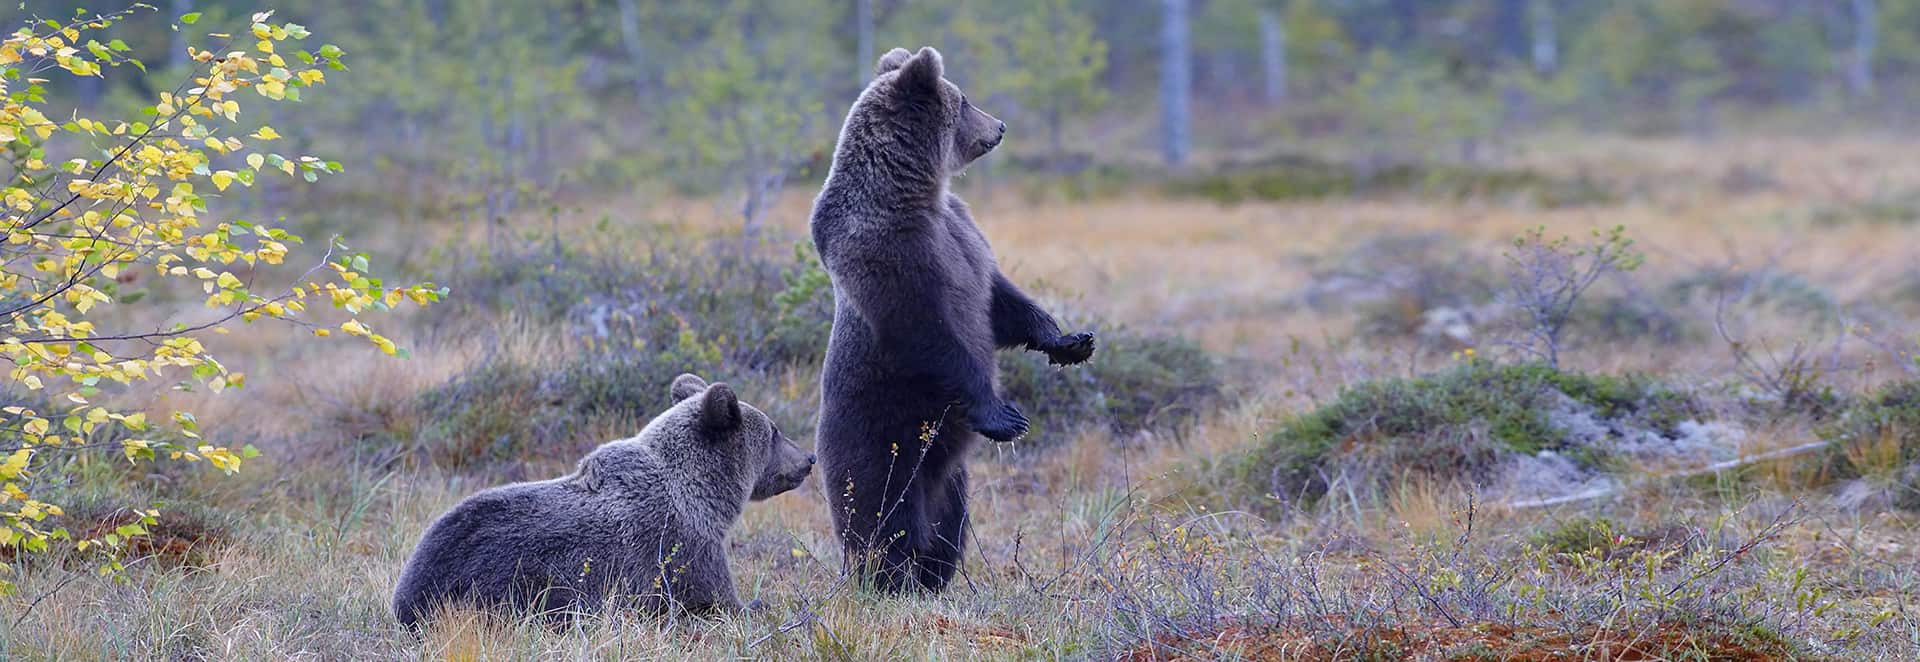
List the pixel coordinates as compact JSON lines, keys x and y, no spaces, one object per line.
{"x":919,"y":308}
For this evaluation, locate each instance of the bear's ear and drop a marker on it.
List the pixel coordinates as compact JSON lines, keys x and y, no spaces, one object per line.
{"x":891,"y":61}
{"x":922,"y":72}
{"x":687,"y":385}
{"x":587,"y":477}
{"x":720,"y":408}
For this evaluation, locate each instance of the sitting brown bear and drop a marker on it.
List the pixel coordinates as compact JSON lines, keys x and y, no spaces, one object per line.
{"x":642,"y":521}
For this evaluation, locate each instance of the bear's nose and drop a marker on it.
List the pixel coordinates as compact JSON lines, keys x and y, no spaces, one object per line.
{"x":1003,"y":128}
{"x":811,"y":459}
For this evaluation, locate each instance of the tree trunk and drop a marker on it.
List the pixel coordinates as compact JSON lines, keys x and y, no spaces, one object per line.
{"x":636,"y":51}
{"x":863,"y":42}
{"x":1053,"y":135}
{"x":1866,"y":25}
{"x":763,"y":186}
{"x":178,"y":57}
{"x":1273,"y":56}
{"x":1176,"y":82}
{"x":1510,"y":27}
{"x":1406,"y":21}
{"x":1546,"y":41}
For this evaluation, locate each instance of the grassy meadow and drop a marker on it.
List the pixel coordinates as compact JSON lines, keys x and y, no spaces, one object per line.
{"x":1311,"y":431}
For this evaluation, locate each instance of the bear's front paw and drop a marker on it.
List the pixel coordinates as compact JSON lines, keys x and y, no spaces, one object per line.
{"x":999,"y":422}
{"x":1069,"y":349}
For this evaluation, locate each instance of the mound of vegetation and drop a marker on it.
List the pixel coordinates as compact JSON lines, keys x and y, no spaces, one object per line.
{"x":1900,"y":208}
{"x":1304,"y":177}
{"x":1394,"y":282}
{"x":1295,"y":177}
{"x":1135,"y":383}
{"x":1435,"y":288}
{"x":1787,"y":291}
{"x":716,"y":292}
{"x":1477,"y":422}
{"x":1876,"y":442}
{"x":631,"y":325}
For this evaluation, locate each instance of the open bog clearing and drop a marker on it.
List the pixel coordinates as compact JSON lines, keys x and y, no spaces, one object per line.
{"x":1294,"y":444}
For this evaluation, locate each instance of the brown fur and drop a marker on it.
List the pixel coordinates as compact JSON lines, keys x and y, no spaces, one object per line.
{"x":642,"y":521}
{"x":920,"y":307}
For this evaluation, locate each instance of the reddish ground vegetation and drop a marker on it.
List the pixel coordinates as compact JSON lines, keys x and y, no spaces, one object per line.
{"x":1667,"y":640}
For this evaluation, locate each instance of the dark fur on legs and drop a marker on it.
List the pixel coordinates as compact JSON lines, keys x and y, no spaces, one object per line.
{"x":947,"y":519}
{"x":919,"y":308}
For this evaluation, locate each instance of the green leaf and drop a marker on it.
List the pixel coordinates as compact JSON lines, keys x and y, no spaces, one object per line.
{"x":190,"y":18}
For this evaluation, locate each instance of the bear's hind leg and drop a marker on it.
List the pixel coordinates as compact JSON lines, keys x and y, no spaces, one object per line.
{"x":883,"y":526}
{"x":947,"y":544}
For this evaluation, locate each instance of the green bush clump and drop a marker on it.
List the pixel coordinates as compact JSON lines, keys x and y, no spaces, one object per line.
{"x":1453,"y":424}
{"x":1283,"y":178}
{"x":1392,"y":281}
{"x":633,"y":324}
{"x":720,"y":293}
{"x":1898,"y":208}
{"x":1878,"y":437}
{"x":1773,"y":289}
{"x":1580,"y":536}
{"x":1134,"y":383}
{"x":1624,"y":318}
{"x":1296,"y":177}
{"x":628,"y":325}
{"x":512,"y":409}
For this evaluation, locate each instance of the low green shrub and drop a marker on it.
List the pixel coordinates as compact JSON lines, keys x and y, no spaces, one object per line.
{"x":1602,"y":538}
{"x":721,"y":293}
{"x":631,"y":325}
{"x":1134,"y":383}
{"x":1294,"y":177}
{"x":1624,"y":318}
{"x":508,"y":409}
{"x":1455,"y":424}
{"x":1878,"y":437}
{"x":1781,"y":291}
{"x":1897,"y":208}
{"x":1393,"y":280}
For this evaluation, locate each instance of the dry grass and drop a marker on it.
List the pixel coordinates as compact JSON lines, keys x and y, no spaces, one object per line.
{"x":1098,"y":549}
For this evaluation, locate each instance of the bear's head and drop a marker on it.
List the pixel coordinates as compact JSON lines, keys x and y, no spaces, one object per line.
{"x":911,"y":105}
{"x":740,"y":430}
{"x":708,"y":436}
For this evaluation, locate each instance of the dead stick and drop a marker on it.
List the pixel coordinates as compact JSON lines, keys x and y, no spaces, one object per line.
{"x":1717,"y":467}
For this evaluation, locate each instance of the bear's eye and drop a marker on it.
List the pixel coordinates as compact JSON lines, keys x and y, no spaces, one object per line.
{"x":964,"y":103}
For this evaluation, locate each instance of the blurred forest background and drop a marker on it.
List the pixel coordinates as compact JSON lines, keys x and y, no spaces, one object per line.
{"x":481,"y":107}
{"x":1430,"y":329}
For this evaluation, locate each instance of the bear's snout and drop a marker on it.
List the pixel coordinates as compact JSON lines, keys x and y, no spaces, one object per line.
{"x":786,"y":469}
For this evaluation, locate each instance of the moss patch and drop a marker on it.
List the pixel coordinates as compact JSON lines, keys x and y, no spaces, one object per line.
{"x":1455,"y":424}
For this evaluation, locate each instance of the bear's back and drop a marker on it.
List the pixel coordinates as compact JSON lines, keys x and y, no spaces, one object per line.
{"x":549,"y":545}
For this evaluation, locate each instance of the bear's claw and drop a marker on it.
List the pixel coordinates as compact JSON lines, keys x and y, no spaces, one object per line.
{"x":1069,"y":349}
{"x":1001,"y":422}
